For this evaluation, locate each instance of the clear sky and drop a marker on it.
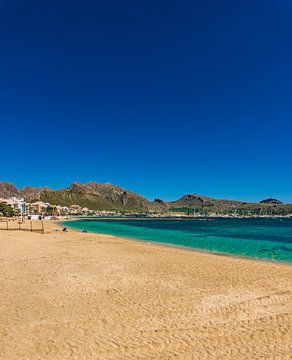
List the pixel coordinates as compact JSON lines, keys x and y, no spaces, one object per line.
{"x":160,"y":97}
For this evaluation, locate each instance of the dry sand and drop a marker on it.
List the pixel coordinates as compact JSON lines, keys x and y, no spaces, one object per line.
{"x":88,"y":296}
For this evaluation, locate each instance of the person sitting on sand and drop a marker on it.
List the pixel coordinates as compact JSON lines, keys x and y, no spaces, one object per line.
{"x":65,"y":229}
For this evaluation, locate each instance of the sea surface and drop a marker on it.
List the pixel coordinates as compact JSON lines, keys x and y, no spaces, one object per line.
{"x":257,"y":238}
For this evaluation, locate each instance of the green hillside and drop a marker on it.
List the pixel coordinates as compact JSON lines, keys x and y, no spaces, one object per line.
{"x":111,"y":197}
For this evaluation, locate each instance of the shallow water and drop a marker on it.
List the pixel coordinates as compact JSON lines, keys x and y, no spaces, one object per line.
{"x":258,"y":238}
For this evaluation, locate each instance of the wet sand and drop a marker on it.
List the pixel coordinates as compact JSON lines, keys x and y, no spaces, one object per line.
{"x":88,"y":296}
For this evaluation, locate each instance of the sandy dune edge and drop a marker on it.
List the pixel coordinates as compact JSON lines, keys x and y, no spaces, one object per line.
{"x":88,"y":296}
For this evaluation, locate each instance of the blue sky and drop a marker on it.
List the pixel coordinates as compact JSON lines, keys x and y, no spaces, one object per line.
{"x":161,"y":97}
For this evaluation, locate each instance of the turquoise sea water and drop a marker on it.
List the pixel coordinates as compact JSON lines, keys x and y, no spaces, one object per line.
{"x":258,"y":238}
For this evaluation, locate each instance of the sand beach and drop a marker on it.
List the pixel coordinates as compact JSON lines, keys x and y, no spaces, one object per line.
{"x":70,"y":295}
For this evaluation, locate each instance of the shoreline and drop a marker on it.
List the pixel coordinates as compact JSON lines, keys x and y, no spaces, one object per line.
{"x":202,"y":218}
{"x":197,"y":250}
{"x":73,"y":295}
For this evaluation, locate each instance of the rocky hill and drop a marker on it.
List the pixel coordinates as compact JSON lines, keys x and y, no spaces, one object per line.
{"x":97,"y":196}
{"x":271,"y":201}
{"x":30,"y":193}
{"x":92,"y":195}
{"x":202,"y":204}
{"x":7,"y":190}
{"x":195,"y":200}
{"x":111,"y":197}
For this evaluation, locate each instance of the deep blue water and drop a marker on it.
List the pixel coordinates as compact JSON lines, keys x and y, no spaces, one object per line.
{"x":258,"y":238}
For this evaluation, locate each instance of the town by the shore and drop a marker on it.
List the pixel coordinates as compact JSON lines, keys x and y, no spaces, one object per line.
{"x":73,"y":295}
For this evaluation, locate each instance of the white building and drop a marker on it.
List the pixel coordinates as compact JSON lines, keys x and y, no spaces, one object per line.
{"x":18,"y":205}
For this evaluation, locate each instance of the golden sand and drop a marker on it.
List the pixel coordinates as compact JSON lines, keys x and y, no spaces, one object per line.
{"x":88,"y":296}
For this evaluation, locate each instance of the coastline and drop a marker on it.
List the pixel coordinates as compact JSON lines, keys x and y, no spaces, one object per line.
{"x":176,"y":246}
{"x":85,"y":296}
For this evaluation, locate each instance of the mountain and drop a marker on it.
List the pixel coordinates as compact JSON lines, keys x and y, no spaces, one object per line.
{"x":97,"y":197}
{"x":92,"y":195}
{"x":111,"y":197}
{"x":193,"y":203}
{"x":271,"y":201}
{"x":30,"y":193}
{"x":7,"y":190}
{"x":194,"y":200}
